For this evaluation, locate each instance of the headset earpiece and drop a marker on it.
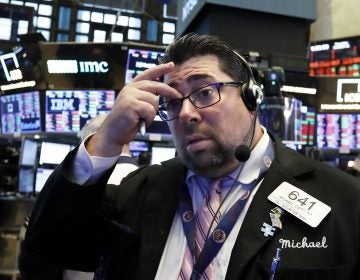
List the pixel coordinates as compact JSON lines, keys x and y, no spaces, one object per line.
{"x":252,"y":94}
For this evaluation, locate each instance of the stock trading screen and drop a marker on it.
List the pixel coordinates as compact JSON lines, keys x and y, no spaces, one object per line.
{"x":69,"y":110}
{"x":20,"y":112}
{"x":138,"y":60}
{"x":340,"y":57}
{"x":338,"y":131}
{"x":308,"y":125}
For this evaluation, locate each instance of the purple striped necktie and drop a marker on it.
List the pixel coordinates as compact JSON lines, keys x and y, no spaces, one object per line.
{"x":207,"y":219}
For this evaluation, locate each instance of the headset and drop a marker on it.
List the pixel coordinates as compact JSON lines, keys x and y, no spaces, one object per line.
{"x":252,"y":94}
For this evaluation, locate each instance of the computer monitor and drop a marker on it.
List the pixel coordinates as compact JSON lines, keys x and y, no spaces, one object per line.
{"x":162,"y":153}
{"x":42,"y":174}
{"x":28,"y":152}
{"x":308,"y":125}
{"x":138,"y":146}
{"x":20,"y":112}
{"x":69,"y":110}
{"x":338,"y":130}
{"x":53,"y":153}
{"x":26,"y":180}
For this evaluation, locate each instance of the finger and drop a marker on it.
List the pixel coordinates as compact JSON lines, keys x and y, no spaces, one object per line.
{"x":155,"y":72}
{"x":157,"y":88}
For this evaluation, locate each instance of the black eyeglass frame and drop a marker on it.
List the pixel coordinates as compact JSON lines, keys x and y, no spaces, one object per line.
{"x":217,"y":85}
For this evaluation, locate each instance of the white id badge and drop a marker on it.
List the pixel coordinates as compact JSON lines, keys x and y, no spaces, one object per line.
{"x":300,"y":204}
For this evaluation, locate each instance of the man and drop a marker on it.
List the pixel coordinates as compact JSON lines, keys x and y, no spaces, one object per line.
{"x":204,"y":215}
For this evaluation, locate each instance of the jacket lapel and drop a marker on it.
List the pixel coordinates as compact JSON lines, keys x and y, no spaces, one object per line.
{"x":160,"y":208}
{"x":251,"y":239}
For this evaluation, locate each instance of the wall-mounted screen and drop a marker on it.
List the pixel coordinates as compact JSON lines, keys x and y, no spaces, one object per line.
{"x":339,"y":57}
{"x":83,"y":65}
{"x":69,"y":110}
{"x":20,"y":112}
{"x":53,"y":153}
{"x":28,"y":152}
{"x":138,"y":60}
{"x":308,"y":125}
{"x":338,"y":130}
{"x":95,"y":65}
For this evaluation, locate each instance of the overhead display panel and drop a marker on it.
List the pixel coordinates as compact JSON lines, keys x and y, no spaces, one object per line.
{"x":89,"y":65}
{"x":18,"y":67}
{"x":339,"y":57}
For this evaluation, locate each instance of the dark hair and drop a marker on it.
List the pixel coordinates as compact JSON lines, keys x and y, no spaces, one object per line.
{"x":192,"y":45}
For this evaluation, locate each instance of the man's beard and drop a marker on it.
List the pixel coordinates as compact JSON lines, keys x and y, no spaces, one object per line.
{"x":215,"y":159}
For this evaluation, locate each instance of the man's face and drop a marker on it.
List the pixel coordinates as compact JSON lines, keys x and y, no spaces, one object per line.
{"x":206,"y":138}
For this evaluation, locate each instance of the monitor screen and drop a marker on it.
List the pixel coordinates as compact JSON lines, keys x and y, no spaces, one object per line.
{"x":308,"y":125}
{"x":83,"y":65}
{"x":26,"y":180}
{"x":53,"y":153}
{"x":69,"y":110}
{"x":42,"y":174}
{"x":137,"y":146}
{"x":337,"y":57}
{"x":160,"y":154}
{"x":20,"y":112}
{"x":338,"y":130}
{"x":28,"y":152}
{"x":138,"y":60}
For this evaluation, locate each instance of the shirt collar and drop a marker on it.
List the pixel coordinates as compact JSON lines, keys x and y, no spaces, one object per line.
{"x":263,"y":151}
{"x":261,"y":154}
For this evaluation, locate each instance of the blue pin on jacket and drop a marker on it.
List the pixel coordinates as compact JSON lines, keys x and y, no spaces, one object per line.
{"x":275,"y":264}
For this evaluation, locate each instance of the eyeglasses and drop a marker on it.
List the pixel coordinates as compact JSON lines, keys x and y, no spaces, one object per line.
{"x":201,"y":98}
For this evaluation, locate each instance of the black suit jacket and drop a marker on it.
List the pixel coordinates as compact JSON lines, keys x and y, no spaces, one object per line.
{"x":128,"y":225}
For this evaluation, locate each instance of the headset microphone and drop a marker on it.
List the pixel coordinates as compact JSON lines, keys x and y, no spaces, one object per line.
{"x":242,"y":152}
{"x":252,"y":96}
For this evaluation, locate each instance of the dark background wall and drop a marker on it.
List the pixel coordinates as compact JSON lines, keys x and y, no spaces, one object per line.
{"x":254,"y":31}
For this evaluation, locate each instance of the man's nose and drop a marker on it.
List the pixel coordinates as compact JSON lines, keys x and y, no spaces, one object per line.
{"x":188,"y":111}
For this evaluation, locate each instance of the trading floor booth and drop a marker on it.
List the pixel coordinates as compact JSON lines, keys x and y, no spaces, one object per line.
{"x":13,"y":213}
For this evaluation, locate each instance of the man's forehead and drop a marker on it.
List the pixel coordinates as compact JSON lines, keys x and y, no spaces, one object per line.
{"x":194,"y":70}
{"x":175,"y":81}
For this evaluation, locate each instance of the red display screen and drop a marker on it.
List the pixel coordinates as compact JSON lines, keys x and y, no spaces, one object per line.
{"x":308,"y":125}
{"x":339,"y":57}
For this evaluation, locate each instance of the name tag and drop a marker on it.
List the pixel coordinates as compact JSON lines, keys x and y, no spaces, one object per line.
{"x":300,"y":204}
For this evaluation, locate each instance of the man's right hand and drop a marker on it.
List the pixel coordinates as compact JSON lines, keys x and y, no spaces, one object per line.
{"x":137,"y":101}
